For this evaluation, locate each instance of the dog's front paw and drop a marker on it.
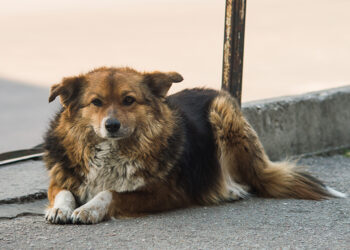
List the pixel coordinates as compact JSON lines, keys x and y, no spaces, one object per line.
{"x":58,"y":215}
{"x":87,"y":215}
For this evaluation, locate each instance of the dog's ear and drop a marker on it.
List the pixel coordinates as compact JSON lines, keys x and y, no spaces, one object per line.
{"x":159,"y":83}
{"x":68,"y":90}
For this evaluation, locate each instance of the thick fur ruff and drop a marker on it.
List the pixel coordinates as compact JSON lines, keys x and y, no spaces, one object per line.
{"x":191,"y":148}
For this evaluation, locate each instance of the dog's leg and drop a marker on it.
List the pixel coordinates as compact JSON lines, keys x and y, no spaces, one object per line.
{"x":96,"y":210}
{"x":107,"y":204}
{"x":62,"y":204}
{"x":245,"y":160}
{"x":162,"y":198}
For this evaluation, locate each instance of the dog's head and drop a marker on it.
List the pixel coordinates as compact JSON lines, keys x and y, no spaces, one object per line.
{"x":114,"y":101}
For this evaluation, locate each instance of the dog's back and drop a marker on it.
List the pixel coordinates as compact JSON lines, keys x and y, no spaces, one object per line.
{"x":198,"y":164}
{"x":223,"y":158}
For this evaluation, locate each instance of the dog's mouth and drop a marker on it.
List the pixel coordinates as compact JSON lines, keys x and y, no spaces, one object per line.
{"x":115,"y":136}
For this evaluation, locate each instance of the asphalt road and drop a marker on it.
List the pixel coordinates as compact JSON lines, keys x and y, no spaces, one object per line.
{"x":253,"y":223}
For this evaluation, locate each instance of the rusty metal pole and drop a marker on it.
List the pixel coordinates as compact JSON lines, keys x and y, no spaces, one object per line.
{"x":234,"y":47}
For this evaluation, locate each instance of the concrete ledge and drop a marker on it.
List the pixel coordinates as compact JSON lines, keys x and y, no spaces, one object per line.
{"x":304,"y":124}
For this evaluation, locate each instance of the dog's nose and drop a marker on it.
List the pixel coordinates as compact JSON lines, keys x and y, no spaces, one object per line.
{"x":112,"y":125}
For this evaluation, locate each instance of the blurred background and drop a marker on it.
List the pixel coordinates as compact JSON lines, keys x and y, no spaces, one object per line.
{"x":291,"y":47}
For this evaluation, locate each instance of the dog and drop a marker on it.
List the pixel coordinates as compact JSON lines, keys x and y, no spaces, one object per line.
{"x":120,"y":147}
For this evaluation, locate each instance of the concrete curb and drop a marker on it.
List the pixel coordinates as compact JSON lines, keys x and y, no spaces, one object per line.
{"x":300,"y":125}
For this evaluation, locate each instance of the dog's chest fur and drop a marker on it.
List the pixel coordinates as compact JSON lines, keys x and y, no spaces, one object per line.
{"x":109,"y":170}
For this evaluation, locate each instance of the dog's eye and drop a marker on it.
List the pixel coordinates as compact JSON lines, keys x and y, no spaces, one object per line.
{"x":97,"y":102}
{"x":128,"y":100}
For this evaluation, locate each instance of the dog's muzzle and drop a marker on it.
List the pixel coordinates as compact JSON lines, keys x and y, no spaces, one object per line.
{"x":112,"y":128}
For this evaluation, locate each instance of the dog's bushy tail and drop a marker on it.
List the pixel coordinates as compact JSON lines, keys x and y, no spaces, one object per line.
{"x":241,"y":151}
{"x":287,"y":180}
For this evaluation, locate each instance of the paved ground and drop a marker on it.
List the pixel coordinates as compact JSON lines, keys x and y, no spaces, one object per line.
{"x":22,"y":180}
{"x":252,"y":223}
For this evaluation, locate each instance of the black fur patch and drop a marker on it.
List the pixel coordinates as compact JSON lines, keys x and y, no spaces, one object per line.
{"x":198,"y":164}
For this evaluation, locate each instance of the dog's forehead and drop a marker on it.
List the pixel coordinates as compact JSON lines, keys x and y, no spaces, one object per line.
{"x":124,"y":79}
{"x":113,"y":82}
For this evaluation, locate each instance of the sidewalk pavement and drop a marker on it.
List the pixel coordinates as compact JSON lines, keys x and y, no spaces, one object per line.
{"x":251,"y":223}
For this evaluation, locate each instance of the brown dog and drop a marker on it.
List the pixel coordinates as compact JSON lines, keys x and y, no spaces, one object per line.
{"x":119,"y":147}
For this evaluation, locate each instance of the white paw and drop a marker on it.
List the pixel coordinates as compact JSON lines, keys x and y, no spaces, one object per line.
{"x":58,"y":215}
{"x":87,"y":215}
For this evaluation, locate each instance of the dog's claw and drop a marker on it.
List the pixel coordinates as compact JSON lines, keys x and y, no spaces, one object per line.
{"x":85,"y":216}
{"x":58,"y":215}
